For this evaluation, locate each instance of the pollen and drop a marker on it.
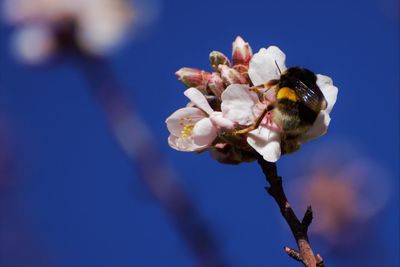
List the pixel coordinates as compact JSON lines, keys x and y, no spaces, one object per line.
{"x":187,"y":127}
{"x":287,"y":93}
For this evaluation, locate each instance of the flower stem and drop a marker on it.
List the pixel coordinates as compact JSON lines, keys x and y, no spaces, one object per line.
{"x":140,"y":147}
{"x":299,"y":228}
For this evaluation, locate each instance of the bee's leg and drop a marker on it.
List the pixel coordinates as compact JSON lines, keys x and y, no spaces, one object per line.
{"x":264,"y":120}
{"x":262,"y":87}
{"x":257,"y":87}
{"x":245,"y":130}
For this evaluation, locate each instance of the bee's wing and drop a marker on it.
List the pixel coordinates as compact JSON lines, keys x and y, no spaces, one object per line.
{"x":311,"y":97}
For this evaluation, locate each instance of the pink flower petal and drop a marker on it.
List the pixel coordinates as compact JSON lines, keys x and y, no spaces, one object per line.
{"x":182,"y":144}
{"x":198,"y":99}
{"x":204,"y":133}
{"x":266,"y":143}
{"x":184,"y":116}
{"x":263,"y":65}
{"x":328,"y":89}
{"x":219,"y":121}
{"x":239,"y":104}
{"x":241,"y":52}
{"x":318,"y":129}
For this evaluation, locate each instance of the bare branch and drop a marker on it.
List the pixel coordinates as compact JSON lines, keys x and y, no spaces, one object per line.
{"x":293,"y":253}
{"x":299,"y":229}
{"x":320,"y":261}
{"x":308,"y":217}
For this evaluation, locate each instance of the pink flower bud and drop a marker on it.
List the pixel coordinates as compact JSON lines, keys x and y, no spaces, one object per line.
{"x":217,"y":58}
{"x":231,"y":76}
{"x":216,"y":84}
{"x":193,"y":78}
{"x":241,"y":52}
{"x":244,"y":71}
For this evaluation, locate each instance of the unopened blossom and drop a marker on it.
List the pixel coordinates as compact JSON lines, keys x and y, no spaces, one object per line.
{"x":217,"y":58}
{"x":231,"y":76}
{"x":193,"y":78}
{"x":215,"y":84}
{"x":242,"y":90}
{"x":241,"y":52}
{"x":96,"y":26}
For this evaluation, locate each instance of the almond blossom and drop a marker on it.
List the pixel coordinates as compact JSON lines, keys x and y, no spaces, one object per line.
{"x":243,"y":106}
{"x":230,"y":90}
{"x":97,"y":25}
{"x":195,"y":128}
{"x":346,"y":175}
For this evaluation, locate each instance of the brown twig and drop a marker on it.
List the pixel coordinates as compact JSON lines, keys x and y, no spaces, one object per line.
{"x":299,"y":228}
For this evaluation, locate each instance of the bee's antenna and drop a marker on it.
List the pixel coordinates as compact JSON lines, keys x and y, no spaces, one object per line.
{"x":276,"y":63}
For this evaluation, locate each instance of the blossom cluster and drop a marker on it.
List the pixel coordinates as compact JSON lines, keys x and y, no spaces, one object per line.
{"x":226,"y":113}
{"x":99,"y":25}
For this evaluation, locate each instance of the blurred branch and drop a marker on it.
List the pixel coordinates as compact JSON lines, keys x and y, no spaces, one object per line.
{"x":299,"y":229}
{"x":140,"y":147}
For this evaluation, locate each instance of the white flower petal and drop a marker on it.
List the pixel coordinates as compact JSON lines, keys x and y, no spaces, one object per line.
{"x":263,"y":65}
{"x":266,"y":143}
{"x":204,"y":133}
{"x":34,"y":43}
{"x":177,"y":121}
{"x":182,"y":144}
{"x":198,"y":99}
{"x":239,"y":104}
{"x":319,"y":127}
{"x":219,"y":121}
{"x":102,"y":25}
{"x":328,"y":89}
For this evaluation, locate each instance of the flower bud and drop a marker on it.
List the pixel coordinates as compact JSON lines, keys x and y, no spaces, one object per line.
{"x":243,"y":70}
{"x":241,"y":52}
{"x":217,"y":58}
{"x":216,"y":84}
{"x":231,"y":76}
{"x":193,"y":78}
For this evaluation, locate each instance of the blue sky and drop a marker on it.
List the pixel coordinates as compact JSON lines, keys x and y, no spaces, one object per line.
{"x":83,"y":200}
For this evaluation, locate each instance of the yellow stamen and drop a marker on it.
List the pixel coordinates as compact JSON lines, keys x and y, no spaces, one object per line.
{"x":188,"y":125}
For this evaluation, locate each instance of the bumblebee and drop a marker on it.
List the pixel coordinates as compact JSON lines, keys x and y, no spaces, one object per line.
{"x":298,"y":103}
